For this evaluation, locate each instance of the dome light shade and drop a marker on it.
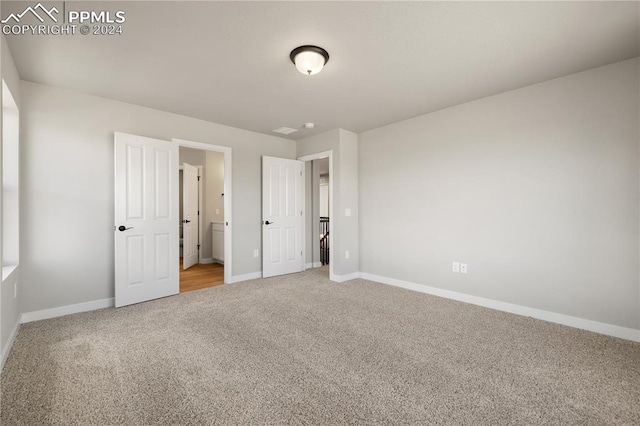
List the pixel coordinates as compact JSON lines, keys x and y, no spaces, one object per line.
{"x":309,"y":60}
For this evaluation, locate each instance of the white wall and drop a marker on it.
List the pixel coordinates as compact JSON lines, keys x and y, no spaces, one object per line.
{"x":324,"y":196}
{"x":537,"y":189}
{"x":349,"y":199}
{"x":68,"y":188}
{"x":344,"y":145}
{"x":9,"y":305}
{"x":195,"y":157}
{"x":215,"y":189}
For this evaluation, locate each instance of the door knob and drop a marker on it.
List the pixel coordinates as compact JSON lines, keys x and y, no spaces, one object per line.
{"x":186,"y":221}
{"x":123,"y":228}
{"x":268,"y":223}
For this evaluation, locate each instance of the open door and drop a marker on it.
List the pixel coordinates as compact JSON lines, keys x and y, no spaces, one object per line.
{"x":146,"y":219}
{"x":189,"y":216}
{"x":282,"y":236}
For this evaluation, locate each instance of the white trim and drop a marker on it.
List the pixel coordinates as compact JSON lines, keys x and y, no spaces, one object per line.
{"x":66,"y":310}
{"x":348,"y":277}
{"x":206,"y":260}
{"x":584,"y":324}
{"x":9,"y":345}
{"x":228,"y":215}
{"x":311,"y":157}
{"x":245,"y":277}
{"x":312,"y":265}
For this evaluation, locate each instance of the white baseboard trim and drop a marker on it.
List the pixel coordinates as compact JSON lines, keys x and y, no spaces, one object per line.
{"x":312,"y":265}
{"x":581,"y":323}
{"x":348,"y":277}
{"x":245,"y":277}
{"x":7,"y":348}
{"x":66,"y":310}
{"x":206,"y":260}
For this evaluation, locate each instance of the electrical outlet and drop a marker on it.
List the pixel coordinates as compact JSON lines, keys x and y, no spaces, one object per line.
{"x":455,"y":266}
{"x":15,"y":290}
{"x":347,"y":254}
{"x":463,"y":268}
{"x":256,"y":253}
{"x":347,"y":212}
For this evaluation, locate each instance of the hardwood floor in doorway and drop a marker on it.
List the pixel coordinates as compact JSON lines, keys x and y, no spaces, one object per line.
{"x":201,"y":276}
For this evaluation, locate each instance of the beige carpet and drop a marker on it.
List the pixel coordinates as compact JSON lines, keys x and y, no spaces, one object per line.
{"x":302,"y":350}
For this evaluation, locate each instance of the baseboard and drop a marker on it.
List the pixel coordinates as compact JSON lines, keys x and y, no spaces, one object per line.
{"x":206,"y":260}
{"x":245,"y":277}
{"x":581,"y":323}
{"x":7,"y":348}
{"x":215,"y":260}
{"x":348,"y":277}
{"x":312,"y":265}
{"x":66,"y":310}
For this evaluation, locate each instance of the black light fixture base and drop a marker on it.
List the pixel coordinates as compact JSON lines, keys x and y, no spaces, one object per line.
{"x":309,"y":48}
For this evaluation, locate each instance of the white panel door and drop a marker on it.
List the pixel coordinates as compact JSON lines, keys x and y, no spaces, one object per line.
{"x":281,"y":216}
{"x":189,"y":216}
{"x":146,"y":219}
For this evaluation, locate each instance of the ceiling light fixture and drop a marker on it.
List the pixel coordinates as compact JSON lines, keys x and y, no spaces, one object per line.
{"x":309,"y":59}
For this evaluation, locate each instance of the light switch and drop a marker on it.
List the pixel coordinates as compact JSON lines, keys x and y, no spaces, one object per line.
{"x":217,"y":211}
{"x":347,"y":212}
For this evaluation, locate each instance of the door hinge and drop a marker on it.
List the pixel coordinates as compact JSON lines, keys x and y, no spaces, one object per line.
{"x":198,"y":246}
{"x":198,"y":212}
{"x":198,"y":178}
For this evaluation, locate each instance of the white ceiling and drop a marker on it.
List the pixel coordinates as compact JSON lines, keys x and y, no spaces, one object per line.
{"x":229,"y":62}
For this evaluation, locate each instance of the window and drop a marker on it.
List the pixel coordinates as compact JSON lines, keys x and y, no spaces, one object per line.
{"x":10,"y":173}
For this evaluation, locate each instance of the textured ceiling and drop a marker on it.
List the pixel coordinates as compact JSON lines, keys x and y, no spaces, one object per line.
{"x":228,"y":62}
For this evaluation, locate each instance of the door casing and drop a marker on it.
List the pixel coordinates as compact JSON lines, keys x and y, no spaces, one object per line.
{"x":332,"y":213}
{"x":228,"y":214}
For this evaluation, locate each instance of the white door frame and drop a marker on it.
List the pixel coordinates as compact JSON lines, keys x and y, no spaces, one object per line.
{"x":332,"y":216}
{"x":228,"y":217}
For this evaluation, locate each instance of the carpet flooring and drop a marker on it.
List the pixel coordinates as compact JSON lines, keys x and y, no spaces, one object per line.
{"x":300,"y":349}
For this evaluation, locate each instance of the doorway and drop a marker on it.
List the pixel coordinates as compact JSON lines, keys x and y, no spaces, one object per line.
{"x":201,"y":207}
{"x":318,"y":229}
{"x":202,"y":223}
